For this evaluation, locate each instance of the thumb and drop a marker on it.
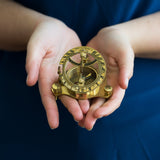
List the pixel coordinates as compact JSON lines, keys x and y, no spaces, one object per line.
{"x":34,"y":57}
{"x":126,"y":64}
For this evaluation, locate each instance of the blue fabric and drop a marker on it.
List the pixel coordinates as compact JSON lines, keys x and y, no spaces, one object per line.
{"x":131,"y":132}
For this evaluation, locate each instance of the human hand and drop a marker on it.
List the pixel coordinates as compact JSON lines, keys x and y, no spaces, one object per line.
{"x":119,"y":56}
{"x":49,"y":41}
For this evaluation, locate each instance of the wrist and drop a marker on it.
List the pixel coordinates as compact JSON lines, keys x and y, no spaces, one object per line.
{"x":126,"y":33}
{"x":17,"y":25}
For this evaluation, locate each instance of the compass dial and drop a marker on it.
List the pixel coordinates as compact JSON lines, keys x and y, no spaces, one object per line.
{"x":88,"y":69}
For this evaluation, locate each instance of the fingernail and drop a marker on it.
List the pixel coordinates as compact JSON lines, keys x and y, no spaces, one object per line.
{"x":89,"y":129}
{"x":101,"y":115}
{"x":76,"y":121}
{"x":52,"y":128}
{"x":126,"y":82}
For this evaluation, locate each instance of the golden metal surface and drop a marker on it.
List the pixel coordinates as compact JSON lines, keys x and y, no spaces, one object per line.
{"x":82,"y":75}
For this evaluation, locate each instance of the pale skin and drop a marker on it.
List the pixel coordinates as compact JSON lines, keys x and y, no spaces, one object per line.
{"x":47,"y":39}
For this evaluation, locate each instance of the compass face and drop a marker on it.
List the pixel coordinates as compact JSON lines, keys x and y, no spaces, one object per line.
{"x":83,"y":69}
{"x":88,"y":76}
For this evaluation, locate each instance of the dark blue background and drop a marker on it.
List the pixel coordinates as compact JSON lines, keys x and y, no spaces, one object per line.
{"x":131,"y":132}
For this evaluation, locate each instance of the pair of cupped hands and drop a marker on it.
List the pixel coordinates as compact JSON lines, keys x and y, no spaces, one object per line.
{"x":50,"y":40}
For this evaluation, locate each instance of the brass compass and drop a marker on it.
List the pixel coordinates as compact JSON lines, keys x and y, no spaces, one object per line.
{"x":82,"y":75}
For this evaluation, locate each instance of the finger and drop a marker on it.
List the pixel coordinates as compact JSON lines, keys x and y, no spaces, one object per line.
{"x":112,"y":104}
{"x":90,"y":119}
{"x":126,"y":63}
{"x":73,"y":107}
{"x":34,"y":57}
{"x":84,"y":105}
{"x":49,"y":103}
{"x":92,"y":43}
{"x":45,"y":82}
{"x":81,"y":122}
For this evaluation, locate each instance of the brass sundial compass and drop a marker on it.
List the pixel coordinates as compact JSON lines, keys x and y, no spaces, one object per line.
{"x":82,"y":75}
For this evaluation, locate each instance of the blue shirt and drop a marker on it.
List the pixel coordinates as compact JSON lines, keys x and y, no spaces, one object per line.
{"x":131,"y":132}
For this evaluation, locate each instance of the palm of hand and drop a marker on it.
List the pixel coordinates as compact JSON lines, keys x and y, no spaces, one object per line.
{"x":48,"y":43}
{"x":119,"y":58}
